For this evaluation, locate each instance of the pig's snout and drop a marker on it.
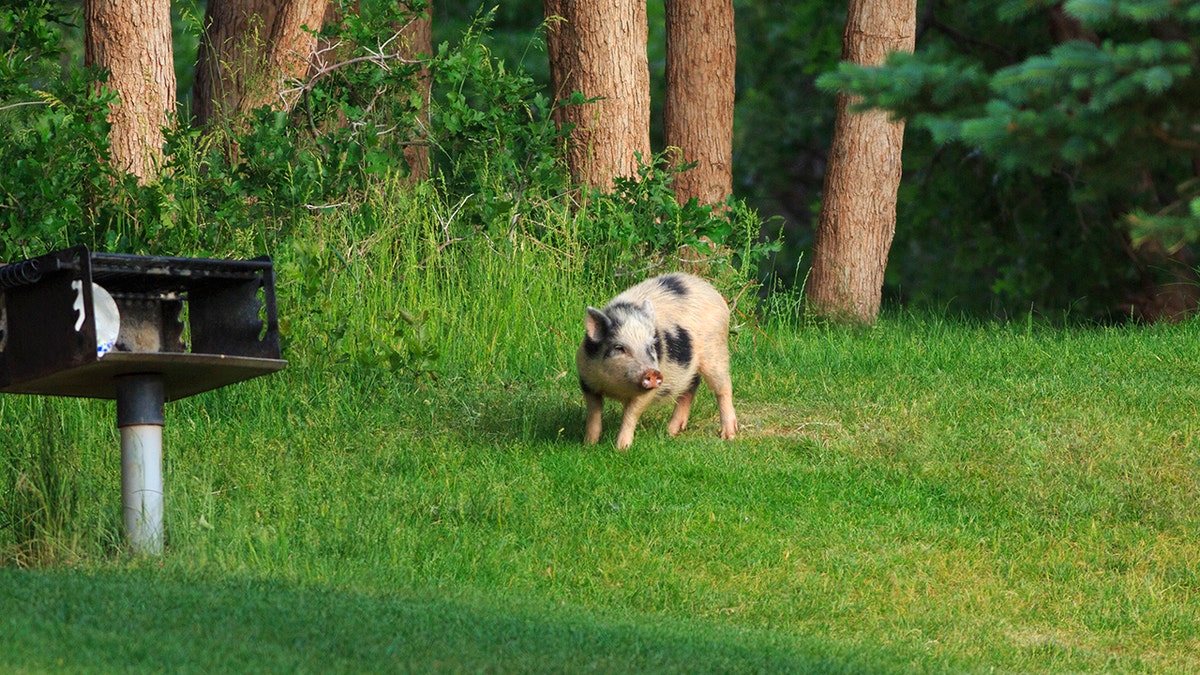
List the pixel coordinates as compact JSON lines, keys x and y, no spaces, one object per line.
{"x":651,"y":379}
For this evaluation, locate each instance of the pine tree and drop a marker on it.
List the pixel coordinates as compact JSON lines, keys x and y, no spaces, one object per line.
{"x":1118,"y":110}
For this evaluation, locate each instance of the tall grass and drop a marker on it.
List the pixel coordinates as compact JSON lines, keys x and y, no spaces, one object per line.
{"x":926,"y":495}
{"x":473,"y":294}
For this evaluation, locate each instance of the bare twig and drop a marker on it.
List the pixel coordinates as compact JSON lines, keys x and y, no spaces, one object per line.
{"x":380,"y":57}
{"x":22,"y":103}
{"x":1174,"y":141}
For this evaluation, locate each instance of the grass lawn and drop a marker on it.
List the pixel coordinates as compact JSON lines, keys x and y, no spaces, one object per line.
{"x":922,"y":496}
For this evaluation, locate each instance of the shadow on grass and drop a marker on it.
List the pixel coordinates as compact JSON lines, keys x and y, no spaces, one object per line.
{"x":560,"y":423}
{"x":155,"y":621}
{"x":533,"y":418}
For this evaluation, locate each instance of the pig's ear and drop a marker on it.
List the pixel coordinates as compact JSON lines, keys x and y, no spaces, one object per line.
{"x":649,"y":310}
{"x":597,"y":323}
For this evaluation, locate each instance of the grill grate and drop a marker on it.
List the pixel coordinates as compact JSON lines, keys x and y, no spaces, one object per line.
{"x":198,"y":322}
{"x":123,"y":273}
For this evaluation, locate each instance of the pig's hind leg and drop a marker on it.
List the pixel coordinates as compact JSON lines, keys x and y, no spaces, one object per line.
{"x":683,"y":408}
{"x":716,"y":374}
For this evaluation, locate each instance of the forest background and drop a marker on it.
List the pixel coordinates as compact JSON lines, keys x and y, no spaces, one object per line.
{"x":976,"y":233}
{"x":986,"y":226}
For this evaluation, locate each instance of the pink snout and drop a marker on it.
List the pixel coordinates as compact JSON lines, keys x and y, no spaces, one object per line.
{"x":651,"y":379}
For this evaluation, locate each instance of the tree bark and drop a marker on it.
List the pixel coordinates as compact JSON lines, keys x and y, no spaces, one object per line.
{"x":858,"y":209}
{"x":599,"y":49}
{"x":132,"y":41}
{"x":698,"y":111}
{"x":417,"y":39}
{"x":251,"y":51}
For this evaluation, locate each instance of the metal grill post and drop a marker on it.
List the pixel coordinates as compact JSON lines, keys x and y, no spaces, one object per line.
{"x":140,"y":419}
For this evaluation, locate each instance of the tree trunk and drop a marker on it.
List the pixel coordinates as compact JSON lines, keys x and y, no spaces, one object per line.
{"x":251,"y":52}
{"x":599,"y":49}
{"x":417,"y":39}
{"x":698,"y":111}
{"x":132,"y":41}
{"x":858,"y":208}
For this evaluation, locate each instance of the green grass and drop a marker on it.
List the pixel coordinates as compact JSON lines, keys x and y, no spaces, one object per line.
{"x":926,"y":495}
{"x":137,"y":620}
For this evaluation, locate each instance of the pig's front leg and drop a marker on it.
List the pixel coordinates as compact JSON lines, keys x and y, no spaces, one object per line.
{"x":633,"y":411}
{"x":595,"y":411}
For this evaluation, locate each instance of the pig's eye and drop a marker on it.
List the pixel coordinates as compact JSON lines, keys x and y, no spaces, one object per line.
{"x":617,"y":350}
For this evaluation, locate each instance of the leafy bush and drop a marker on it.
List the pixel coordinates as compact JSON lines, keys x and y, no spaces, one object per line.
{"x":493,"y":139}
{"x":51,"y":160}
{"x":640,"y":227}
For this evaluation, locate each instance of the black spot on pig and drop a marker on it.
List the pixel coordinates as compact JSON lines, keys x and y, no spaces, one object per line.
{"x":679,"y":345}
{"x":619,"y":312}
{"x":674,"y":284}
{"x":585,"y":388}
{"x":695,"y":384}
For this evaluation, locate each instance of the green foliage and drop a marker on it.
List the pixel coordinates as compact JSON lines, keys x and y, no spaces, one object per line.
{"x":51,"y":160}
{"x":1000,"y":244}
{"x":641,"y":226}
{"x":47,"y":516}
{"x":1116,"y":116}
{"x":783,"y":122}
{"x":1099,"y":12}
{"x":318,"y":268}
{"x":493,"y":138}
{"x":237,"y":186}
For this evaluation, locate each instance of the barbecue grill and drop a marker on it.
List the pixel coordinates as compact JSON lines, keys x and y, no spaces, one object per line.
{"x":140,"y":330}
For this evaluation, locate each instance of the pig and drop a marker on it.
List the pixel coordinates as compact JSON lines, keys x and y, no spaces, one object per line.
{"x":652,"y":343}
